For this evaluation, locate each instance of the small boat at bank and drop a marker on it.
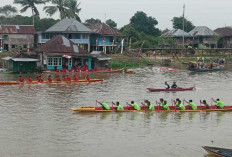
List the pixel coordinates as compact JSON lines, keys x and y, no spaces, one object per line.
{"x":205,"y":70}
{"x":144,"y":109}
{"x":170,"y":89}
{"x":220,"y":152}
{"x":36,"y":82}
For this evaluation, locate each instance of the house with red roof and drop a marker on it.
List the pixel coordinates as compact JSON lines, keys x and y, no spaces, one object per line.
{"x":104,"y":38}
{"x":16,"y":38}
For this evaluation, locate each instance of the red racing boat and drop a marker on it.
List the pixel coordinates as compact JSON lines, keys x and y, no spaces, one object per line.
{"x":170,"y":89}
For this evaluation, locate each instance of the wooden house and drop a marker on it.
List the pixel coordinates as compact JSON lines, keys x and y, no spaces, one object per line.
{"x":225,"y":37}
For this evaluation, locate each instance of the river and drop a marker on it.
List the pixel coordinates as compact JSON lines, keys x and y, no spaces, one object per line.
{"x":37,"y":120}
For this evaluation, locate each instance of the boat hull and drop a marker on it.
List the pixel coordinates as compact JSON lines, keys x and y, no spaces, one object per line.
{"x":206,"y":70}
{"x":170,"y":90}
{"x":36,"y":82}
{"x":220,"y":152}
{"x":144,"y":109}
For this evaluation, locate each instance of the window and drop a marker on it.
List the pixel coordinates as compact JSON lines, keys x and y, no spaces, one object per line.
{"x":5,"y":37}
{"x":78,"y":36}
{"x":55,"y":61}
{"x":60,"y":61}
{"x":70,"y":62}
{"x":24,"y":46}
{"x":85,"y":36}
{"x":47,"y":36}
{"x":13,"y":46}
{"x":43,"y":36}
{"x":50,"y":60}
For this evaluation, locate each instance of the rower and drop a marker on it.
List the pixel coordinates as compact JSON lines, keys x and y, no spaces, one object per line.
{"x":206,"y":104}
{"x":40,"y":79}
{"x":119,"y":107}
{"x":167,"y":85}
{"x":104,"y":105}
{"x":58,"y":78}
{"x":179,"y":105}
{"x":136,"y":106}
{"x":49,"y":78}
{"x":87,"y":78}
{"x":219,"y":104}
{"x":29,"y":79}
{"x":150,"y":106}
{"x":165,"y":105}
{"x":21,"y":79}
{"x":64,"y":78}
{"x":75,"y":78}
{"x":191,"y":104}
{"x":68,"y":78}
{"x":174,"y":85}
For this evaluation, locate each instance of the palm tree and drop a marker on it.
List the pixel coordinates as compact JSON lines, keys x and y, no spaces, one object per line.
{"x":67,"y":8}
{"x":8,"y":10}
{"x":73,"y":9}
{"x":26,"y":4}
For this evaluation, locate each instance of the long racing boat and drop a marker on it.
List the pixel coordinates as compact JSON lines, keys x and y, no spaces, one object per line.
{"x":144,"y":109}
{"x":215,"y":151}
{"x":169,"y":90}
{"x":36,"y":82}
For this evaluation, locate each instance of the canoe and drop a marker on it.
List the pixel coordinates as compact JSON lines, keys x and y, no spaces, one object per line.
{"x":170,"y":89}
{"x":144,"y":109}
{"x":205,"y":70}
{"x":98,"y":71}
{"x":36,"y":82}
{"x":221,"y":152}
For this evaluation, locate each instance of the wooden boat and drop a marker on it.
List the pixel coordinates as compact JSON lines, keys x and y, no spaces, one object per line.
{"x":144,"y":109}
{"x":220,"y":152}
{"x":98,"y":71}
{"x":170,"y":89}
{"x":36,"y":82}
{"x":205,"y":70}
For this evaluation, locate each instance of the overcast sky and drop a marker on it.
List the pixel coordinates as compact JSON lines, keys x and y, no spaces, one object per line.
{"x":211,"y":13}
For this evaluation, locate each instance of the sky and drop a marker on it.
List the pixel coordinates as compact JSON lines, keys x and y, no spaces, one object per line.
{"x":210,"y":13}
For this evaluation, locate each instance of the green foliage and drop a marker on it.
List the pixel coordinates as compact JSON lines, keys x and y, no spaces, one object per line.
{"x":26,"y":4}
{"x":111,"y":23}
{"x":127,"y":64}
{"x":67,"y":9}
{"x":40,"y":24}
{"x":88,"y":22}
{"x":143,"y":23}
{"x":8,"y":10}
{"x":177,"y":23}
{"x":130,"y":32}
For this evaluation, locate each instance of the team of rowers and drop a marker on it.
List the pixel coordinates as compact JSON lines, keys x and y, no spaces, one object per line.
{"x":49,"y":79}
{"x":163,"y":105}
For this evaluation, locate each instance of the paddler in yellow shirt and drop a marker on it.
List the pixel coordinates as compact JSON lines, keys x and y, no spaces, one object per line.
{"x":119,"y":106}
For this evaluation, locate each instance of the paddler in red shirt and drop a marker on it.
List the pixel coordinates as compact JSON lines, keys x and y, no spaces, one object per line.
{"x":58,"y":78}
{"x":64,"y":78}
{"x":87,"y":78}
{"x":49,"y":78}
{"x":40,"y":79}
{"x":68,"y":78}
{"x":75,"y":78}
{"x":21,"y":79}
{"x":29,"y":79}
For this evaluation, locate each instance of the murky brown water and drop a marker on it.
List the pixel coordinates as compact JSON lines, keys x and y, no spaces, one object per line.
{"x":37,"y":120}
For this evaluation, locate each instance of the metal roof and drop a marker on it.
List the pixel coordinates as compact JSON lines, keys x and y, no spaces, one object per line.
{"x":69,"y":25}
{"x":226,"y":31}
{"x":25,"y":60}
{"x":202,"y":31}
{"x":60,"y":44}
{"x":104,"y":29}
{"x":176,"y":33}
{"x":17,"y":29}
{"x":100,"y":55}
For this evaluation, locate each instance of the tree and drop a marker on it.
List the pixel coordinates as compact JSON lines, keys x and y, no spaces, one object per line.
{"x":26,"y":4}
{"x":111,"y":23}
{"x":177,"y":23}
{"x":67,"y":9}
{"x":88,"y":22}
{"x":8,"y":10}
{"x":73,"y":9}
{"x":142,"y":23}
{"x":130,"y":32}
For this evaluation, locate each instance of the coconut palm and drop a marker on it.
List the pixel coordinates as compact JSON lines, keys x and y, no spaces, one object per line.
{"x":67,"y":8}
{"x":26,"y":4}
{"x":8,"y":10}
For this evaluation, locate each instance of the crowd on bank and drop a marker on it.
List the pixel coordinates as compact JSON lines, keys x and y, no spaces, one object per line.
{"x":202,"y":64}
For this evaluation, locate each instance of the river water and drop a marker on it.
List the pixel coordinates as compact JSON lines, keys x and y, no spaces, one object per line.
{"x":37,"y":120}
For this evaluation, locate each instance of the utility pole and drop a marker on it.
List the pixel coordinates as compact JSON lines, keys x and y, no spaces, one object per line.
{"x":183,"y":24}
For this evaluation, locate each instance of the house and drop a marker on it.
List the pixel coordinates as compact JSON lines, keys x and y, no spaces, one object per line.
{"x":16,"y":38}
{"x":104,"y":38}
{"x":71,"y":29}
{"x":178,"y":35}
{"x":60,"y":53}
{"x":21,"y":62}
{"x":225,"y":37}
{"x":202,"y":35}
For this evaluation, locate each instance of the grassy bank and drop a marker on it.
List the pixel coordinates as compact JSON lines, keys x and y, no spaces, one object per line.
{"x":129,"y":64}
